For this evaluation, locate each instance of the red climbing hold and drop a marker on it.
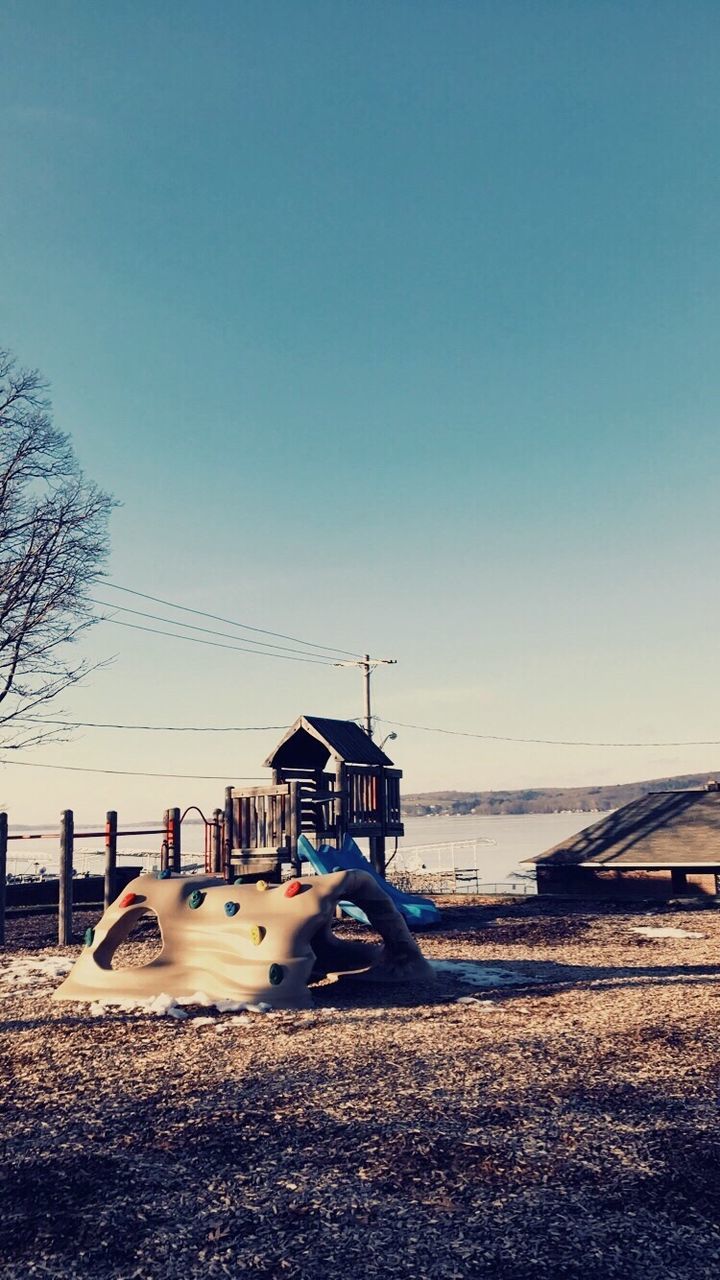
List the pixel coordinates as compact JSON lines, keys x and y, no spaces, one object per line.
{"x":293,"y":889}
{"x":127,"y":899}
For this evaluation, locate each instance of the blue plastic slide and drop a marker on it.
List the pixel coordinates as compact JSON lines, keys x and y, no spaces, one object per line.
{"x":419,"y":913}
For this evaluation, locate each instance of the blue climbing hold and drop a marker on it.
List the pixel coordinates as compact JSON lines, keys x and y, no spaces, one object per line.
{"x":196,"y":899}
{"x":232,"y":908}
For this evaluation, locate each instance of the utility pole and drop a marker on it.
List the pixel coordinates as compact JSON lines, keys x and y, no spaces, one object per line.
{"x":367,"y":665}
{"x":366,"y":669}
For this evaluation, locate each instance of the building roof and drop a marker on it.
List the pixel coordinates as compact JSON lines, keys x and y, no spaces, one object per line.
{"x":664,"y":829}
{"x":342,"y":738}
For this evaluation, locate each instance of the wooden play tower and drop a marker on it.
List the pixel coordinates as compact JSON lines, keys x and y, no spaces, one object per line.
{"x":329,"y":780}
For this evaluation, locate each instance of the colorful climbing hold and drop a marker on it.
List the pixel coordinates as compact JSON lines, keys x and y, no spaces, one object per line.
{"x":276,"y":974}
{"x":257,"y":933}
{"x":232,"y":908}
{"x":127,"y":899}
{"x":261,"y":885}
{"x":89,"y":937}
{"x":293,"y":889}
{"x":164,"y":874}
{"x":196,"y":899}
{"x":337,"y":868}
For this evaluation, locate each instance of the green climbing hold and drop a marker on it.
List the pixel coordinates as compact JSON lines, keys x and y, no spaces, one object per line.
{"x":276,"y":974}
{"x":232,"y":908}
{"x":164,"y":874}
{"x":89,"y":937}
{"x":196,"y":899}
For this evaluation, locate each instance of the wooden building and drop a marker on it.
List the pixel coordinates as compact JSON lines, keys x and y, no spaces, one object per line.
{"x":329,"y":780}
{"x":663,"y":846}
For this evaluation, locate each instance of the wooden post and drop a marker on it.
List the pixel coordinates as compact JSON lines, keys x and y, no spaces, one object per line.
{"x":216,"y":858}
{"x":165,"y":847}
{"x":294,"y":827}
{"x":228,"y":841}
{"x":110,"y":857}
{"x":176,"y":858}
{"x":341,"y":805}
{"x":3,"y":873}
{"x":679,"y":881}
{"x":377,"y":854}
{"x":65,"y":885}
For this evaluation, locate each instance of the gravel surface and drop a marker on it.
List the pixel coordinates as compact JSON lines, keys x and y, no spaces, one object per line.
{"x":562,"y":1123}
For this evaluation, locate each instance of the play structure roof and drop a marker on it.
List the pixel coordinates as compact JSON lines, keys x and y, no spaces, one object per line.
{"x":664,"y":829}
{"x":343,"y":739}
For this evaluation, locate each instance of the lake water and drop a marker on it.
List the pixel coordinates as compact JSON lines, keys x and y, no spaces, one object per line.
{"x":493,"y":847}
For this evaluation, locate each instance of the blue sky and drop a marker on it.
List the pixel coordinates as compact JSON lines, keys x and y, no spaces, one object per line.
{"x":393,"y":327}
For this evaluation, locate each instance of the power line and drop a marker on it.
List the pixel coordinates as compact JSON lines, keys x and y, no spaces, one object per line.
{"x":155,"y":728}
{"x":245,"y":626}
{"x":545,"y":742}
{"x":132,"y":773}
{"x":214,"y":644}
{"x":193,"y":626}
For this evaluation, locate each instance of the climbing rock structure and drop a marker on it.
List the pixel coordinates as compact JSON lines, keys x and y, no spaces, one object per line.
{"x":245,"y":942}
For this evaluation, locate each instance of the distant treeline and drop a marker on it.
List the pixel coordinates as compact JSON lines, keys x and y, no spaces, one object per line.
{"x":545,"y":799}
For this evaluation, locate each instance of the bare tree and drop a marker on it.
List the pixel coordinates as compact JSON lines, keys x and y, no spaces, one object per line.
{"x":53,"y":542}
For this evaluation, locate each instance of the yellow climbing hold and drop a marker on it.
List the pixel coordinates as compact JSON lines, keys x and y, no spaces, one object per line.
{"x":257,"y":933}
{"x":261,"y":884}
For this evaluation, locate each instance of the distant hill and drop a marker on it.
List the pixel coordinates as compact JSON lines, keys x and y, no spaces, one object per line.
{"x":545,"y":799}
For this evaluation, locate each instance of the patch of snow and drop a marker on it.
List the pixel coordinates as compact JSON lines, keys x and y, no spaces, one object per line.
{"x":477,"y":974}
{"x":24,"y":972}
{"x":161,"y":1004}
{"x":203,"y":1022}
{"x":483,"y":1006}
{"x":175,"y":1012}
{"x":650,"y":932}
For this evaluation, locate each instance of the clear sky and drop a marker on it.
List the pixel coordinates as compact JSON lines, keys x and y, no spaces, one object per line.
{"x":393,"y":326}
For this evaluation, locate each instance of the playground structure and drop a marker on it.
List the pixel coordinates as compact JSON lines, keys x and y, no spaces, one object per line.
{"x":250,"y":943}
{"x":329,"y":781}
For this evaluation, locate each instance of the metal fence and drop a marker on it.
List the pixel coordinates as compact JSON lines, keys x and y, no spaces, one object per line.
{"x":452,"y":867}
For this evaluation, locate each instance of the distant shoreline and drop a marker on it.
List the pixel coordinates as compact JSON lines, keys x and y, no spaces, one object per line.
{"x":599,"y":799}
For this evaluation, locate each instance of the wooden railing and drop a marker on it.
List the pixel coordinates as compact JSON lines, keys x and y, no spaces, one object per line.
{"x":264,"y":818}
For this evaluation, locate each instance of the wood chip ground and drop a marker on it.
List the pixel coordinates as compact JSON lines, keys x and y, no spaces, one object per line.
{"x":566,"y":1126}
